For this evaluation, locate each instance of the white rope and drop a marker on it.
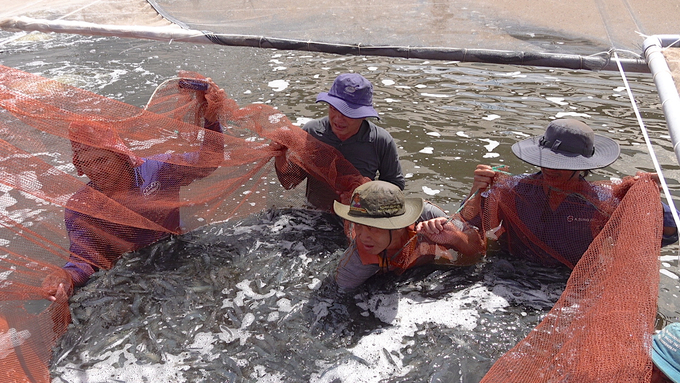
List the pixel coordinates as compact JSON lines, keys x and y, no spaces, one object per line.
{"x":79,"y":9}
{"x":652,"y":154}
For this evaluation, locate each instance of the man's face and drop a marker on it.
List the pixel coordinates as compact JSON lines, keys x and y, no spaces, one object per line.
{"x":100,"y":165}
{"x":343,"y":126}
{"x":560,"y":178}
{"x":372,"y":240}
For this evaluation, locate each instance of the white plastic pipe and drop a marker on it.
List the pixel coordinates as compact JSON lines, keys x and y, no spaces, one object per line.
{"x":665,"y":86}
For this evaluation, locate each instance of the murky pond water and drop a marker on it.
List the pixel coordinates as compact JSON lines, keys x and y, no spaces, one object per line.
{"x":250,"y":302}
{"x":254,"y":310}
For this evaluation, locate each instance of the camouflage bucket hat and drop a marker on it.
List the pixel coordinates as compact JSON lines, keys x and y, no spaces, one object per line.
{"x":380,"y":204}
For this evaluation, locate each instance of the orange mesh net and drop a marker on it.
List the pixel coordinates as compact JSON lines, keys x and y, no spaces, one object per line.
{"x":161,"y":170}
{"x":600,"y":329}
{"x":168,"y":168}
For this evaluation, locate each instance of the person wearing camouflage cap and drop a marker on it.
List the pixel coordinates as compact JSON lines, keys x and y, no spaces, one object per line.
{"x":391,"y":233}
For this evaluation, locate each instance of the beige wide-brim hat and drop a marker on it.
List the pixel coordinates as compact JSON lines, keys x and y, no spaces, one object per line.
{"x":380,"y":204}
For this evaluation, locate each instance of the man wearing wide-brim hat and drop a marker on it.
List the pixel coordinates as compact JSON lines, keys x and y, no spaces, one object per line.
{"x":368,"y":147}
{"x":552,"y":216}
{"x":383,"y":232}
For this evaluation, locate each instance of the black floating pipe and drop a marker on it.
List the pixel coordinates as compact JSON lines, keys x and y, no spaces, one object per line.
{"x":175,"y":33}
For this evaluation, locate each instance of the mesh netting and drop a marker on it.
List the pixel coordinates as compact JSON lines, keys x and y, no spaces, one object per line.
{"x":169,"y":169}
{"x":161,"y":170}
{"x":600,"y":329}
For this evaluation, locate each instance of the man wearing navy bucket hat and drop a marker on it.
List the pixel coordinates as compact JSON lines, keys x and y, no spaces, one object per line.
{"x":551,"y":217}
{"x":370,"y":148}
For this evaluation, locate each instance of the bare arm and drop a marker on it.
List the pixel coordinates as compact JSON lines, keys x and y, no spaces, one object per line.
{"x":212,"y":147}
{"x":466,"y":241}
{"x":483,"y":178}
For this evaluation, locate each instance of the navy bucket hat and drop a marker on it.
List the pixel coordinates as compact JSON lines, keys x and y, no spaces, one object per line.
{"x":352,"y":95}
{"x":568,"y":144}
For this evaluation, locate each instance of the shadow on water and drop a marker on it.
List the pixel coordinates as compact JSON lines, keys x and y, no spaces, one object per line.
{"x":241,"y":301}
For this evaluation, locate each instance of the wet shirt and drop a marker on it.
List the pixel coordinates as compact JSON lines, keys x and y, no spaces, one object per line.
{"x":559,"y":234}
{"x":352,"y":272}
{"x":372,"y":151}
{"x":547,"y":233}
{"x":101,"y":241}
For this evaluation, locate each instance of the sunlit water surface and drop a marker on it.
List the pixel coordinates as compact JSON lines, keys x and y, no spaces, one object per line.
{"x":246,"y":301}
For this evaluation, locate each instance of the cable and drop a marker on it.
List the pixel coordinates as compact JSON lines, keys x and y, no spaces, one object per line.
{"x":652,"y":154}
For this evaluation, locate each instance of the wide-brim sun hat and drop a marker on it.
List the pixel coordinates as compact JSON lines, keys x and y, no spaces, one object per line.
{"x":380,"y":204}
{"x":666,"y":351}
{"x":352,"y":95}
{"x":568,"y":144}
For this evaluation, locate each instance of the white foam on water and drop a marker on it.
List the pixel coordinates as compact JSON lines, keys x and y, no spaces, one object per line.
{"x":302,"y":120}
{"x":262,"y":376}
{"x":571,"y":114}
{"x":491,"y":155}
{"x":462,"y":134}
{"x":131,"y":371}
{"x":520,"y":133}
{"x":491,"y":117}
{"x":11,"y":339}
{"x":278,"y":85}
{"x":435,"y":95}
{"x":378,"y":356}
{"x":434,"y":134}
{"x":314,"y":284}
{"x":203,"y":343}
{"x":429,"y":191}
{"x":7,"y":200}
{"x":557,"y":100}
{"x":427,"y":150}
{"x":492,"y":144}
{"x":284,"y":305}
{"x":669,"y":274}
{"x":388,"y":82}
